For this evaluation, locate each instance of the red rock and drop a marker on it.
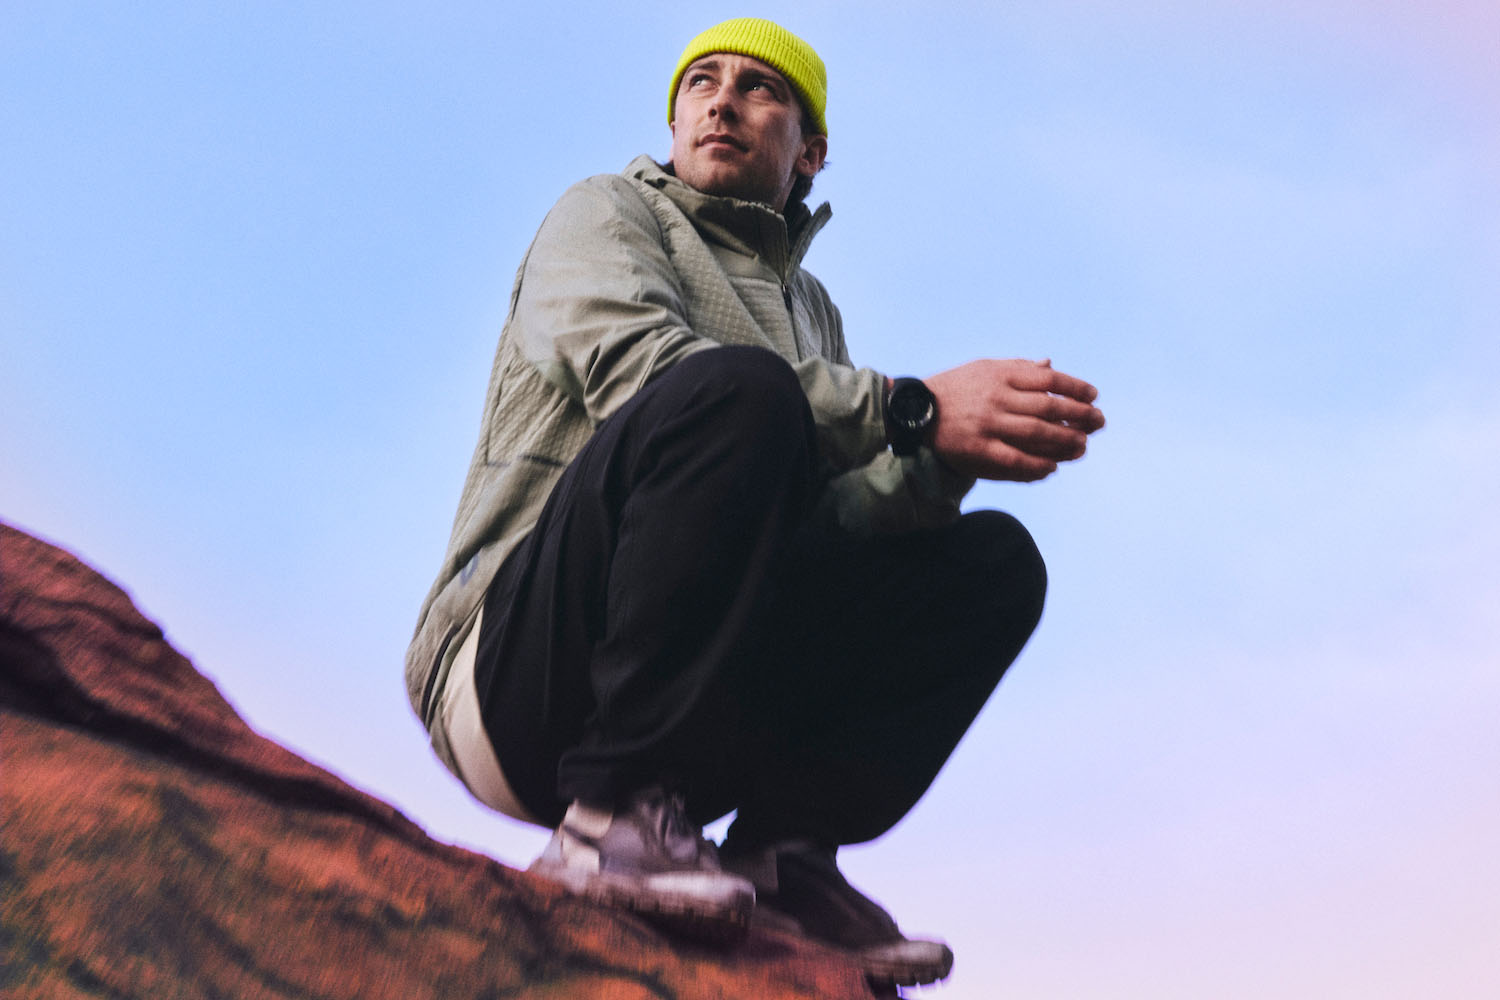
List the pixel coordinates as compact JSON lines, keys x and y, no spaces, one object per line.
{"x":152,"y":845}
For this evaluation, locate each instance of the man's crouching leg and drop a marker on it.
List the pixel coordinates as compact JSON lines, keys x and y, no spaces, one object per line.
{"x":617,"y":639}
{"x":904,"y":639}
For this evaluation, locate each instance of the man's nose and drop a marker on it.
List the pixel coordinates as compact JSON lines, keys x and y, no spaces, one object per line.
{"x":725,"y":104}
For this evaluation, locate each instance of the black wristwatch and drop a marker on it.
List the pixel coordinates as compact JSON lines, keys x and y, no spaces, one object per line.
{"x":910,"y":411}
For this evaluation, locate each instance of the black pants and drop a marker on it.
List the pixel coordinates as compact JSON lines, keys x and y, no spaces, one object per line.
{"x":678,"y":617}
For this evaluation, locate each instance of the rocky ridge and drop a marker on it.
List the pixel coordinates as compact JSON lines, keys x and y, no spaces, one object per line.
{"x":152,"y":845}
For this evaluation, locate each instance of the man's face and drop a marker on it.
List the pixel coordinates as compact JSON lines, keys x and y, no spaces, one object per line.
{"x":737,"y":131}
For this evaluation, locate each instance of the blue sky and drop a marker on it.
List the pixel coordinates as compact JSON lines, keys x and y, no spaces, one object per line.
{"x":254,"y":259}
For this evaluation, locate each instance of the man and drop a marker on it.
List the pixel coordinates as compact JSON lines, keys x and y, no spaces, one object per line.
{"x":701,"y":563}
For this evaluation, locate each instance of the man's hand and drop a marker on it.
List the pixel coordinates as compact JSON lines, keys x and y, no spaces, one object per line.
{"x":1011,"y":419}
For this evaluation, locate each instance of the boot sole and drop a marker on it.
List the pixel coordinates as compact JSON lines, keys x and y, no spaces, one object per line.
{"x":721,"y":922}
{"x":904,"y":972}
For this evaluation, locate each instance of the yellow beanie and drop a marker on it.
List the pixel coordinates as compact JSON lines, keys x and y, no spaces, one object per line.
{"x":771,"y":44}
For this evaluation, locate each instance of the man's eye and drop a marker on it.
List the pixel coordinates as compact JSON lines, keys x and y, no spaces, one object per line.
{"x":698,"y":78}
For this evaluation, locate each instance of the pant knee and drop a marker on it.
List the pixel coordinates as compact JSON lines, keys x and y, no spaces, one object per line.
{"x":752,"y":370}
{"x":1002,"y":542}
{"x":755,"y":394}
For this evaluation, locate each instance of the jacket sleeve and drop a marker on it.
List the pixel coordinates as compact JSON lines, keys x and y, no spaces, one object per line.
{"x":886,"y":494}
{"x":598,"y":307}
{"x":889,"y":495}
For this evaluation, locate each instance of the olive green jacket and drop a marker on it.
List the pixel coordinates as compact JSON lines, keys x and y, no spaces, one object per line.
{"x":628,"y":274}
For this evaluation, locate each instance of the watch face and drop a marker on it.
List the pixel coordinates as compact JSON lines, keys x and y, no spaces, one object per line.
{"x":911,"y":405}
{"x":910,"y":410}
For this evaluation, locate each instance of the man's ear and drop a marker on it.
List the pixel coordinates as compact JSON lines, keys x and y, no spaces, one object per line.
{"x":814,"y":152}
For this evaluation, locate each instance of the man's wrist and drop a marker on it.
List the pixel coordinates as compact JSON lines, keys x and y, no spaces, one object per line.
{"x":910,"y":412}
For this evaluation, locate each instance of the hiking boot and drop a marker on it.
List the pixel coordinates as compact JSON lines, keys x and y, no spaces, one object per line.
{"x":648,"y":857}
{"x":801,"y":881}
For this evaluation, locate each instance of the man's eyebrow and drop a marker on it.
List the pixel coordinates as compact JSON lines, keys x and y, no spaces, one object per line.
{"x":769,"y":75}
{"x":713,"y":64}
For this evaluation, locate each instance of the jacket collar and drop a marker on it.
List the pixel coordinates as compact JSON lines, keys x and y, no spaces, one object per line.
{"x":749,"y":227}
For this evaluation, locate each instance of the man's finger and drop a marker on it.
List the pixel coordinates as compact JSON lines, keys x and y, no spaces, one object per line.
{"x":1058,"y":409}
{"x":1037,"y":378}
{"x":1039,"y":438}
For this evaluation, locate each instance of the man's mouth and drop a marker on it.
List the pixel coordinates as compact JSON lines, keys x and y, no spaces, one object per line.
{"x":722,"y":138}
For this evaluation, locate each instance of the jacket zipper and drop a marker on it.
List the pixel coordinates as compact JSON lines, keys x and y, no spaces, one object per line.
{"x":791,"y":316}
